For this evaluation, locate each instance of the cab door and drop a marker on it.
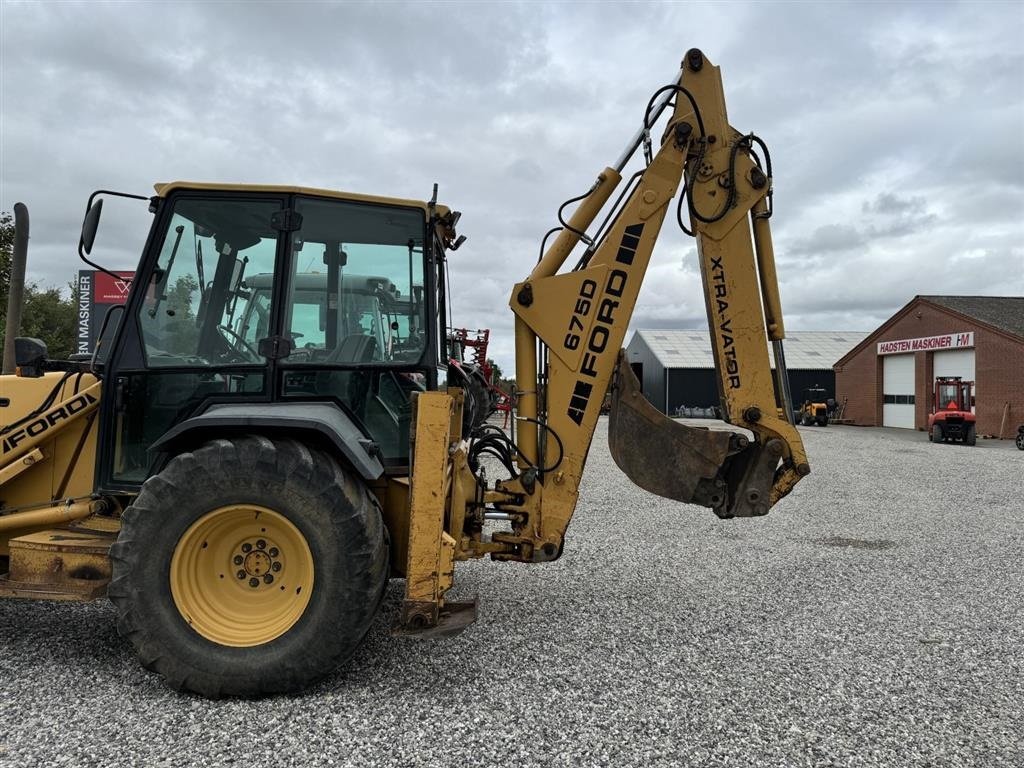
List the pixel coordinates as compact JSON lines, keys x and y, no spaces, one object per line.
{"x":205,"y":297}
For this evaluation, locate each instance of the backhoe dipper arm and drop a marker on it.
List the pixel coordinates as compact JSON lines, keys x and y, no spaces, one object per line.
{"x":580,"y":319}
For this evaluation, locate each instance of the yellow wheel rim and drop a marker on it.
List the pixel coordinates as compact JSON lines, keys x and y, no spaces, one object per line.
{"x":242,"y":575}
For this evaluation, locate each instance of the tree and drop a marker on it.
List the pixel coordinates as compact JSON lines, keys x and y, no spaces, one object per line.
{"x":51,"y":317}
{"x":496,"y":369}
{"x":46,"y":314}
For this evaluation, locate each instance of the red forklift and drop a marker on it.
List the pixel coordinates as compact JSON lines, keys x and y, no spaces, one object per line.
{"x":951,"y":417}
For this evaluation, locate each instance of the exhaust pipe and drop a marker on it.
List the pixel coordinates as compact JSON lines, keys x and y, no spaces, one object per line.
{"x":16,"y":293}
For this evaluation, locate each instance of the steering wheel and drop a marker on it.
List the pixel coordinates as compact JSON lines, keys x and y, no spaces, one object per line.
{"x":240,"y":345}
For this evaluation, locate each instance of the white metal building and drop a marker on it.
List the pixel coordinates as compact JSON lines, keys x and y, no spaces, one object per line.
{"x":676,"y":367}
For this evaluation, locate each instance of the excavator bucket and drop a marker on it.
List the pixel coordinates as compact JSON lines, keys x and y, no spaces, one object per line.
{"x":663,"y":456}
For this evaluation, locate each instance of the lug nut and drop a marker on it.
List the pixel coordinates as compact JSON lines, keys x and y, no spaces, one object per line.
{"x":239,"y":560}
{"x":275,"y":567}
{"x":254,"y":582}
{"x":247,"y":547}
{"x":241,"y":574}
{"x":268,"y":578}
{"x":261,"y":544}
{"x":273,"y":552}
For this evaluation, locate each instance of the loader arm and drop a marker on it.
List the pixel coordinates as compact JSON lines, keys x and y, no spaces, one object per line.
{"x":570,"y":327}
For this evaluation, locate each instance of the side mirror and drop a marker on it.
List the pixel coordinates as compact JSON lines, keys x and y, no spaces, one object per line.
{"x":89,"y":226}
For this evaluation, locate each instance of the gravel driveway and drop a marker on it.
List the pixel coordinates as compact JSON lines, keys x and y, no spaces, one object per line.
{"x":873,"y":618}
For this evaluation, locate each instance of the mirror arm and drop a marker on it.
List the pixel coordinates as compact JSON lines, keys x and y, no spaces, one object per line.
{"x":88,"y":205}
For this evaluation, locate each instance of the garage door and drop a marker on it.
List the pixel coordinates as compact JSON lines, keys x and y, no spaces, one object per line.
{"x":898,"y":391}
{"x":955,"y":362}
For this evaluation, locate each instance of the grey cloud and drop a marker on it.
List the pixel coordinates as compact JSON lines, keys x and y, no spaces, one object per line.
{"x":896,"y":130}
{"x":828,"y":239}
{"x":890,"y":204}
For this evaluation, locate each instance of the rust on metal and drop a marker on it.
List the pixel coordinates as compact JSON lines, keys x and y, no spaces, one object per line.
{"x":58,"y":564}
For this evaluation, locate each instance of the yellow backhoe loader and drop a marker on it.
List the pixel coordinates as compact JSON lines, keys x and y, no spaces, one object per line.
{"x":815,"y":408}
{"x":272,"y":430}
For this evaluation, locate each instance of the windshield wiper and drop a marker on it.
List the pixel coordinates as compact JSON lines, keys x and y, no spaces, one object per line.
{"x":161,"y":285}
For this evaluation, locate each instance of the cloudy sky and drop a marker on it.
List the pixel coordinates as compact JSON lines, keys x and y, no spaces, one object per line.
{"x":896,"y":129}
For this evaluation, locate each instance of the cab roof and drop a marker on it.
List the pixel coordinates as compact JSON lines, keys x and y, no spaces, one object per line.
{"x":164,"y":189}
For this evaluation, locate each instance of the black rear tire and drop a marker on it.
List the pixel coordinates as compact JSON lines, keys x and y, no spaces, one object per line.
{"x":331,"y":508}
{"x":1020,"y":441}
{"x":971,"y":435}
{"x":936,"y":436}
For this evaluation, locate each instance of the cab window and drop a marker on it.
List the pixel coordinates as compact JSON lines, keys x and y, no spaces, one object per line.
{"x":196,"y":296}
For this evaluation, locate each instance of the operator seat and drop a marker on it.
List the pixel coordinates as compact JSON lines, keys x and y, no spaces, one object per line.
{"x":352,"y":387}
{"x":355,"y":348}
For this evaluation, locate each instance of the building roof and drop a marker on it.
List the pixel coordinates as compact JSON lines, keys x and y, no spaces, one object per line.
{"x":805,"y":350}
{"x":1003,"y":312}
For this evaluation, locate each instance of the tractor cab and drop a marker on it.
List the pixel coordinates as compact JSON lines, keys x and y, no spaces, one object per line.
{"x":257,"y":302}
{"x":953,"y":395}
{"x":951,"y":417}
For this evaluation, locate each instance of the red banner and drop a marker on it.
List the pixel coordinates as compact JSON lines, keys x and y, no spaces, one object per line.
{"x":108,"y":290}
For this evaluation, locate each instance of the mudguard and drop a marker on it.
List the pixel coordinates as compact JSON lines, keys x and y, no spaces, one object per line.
{"x":324,"y":420}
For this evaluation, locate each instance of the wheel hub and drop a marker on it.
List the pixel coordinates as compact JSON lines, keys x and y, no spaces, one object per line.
{"x":259,"y":564}
{"x":229,"y":578}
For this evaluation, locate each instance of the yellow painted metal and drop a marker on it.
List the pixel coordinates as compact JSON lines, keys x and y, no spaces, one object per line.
{"x":574,"y":393}
{"x":44,"y":427}
{"x":462,"y":494}
{"x":24,"y":394}
{"x":525,"y":335}
{"x":526,"y":393}
{"x":560,"y":310}
{"x":733,"y":286}
{"x":242,"y":575}
{"x":429,"y":568}
{"x":766,"y":270}
{"x":65,"y":435}
{"x":16,"y":467}
{"x":56,"y":514}
{"x":105,"y":523}
{"x":58,"y":565}
{"x":726,"y":189}
{"x":581,"y":218}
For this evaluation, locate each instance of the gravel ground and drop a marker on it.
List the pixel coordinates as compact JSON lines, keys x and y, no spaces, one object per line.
{"x":874,"y":618}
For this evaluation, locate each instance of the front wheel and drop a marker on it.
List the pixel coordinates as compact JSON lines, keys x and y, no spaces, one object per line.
{"x":1020,"y":441}
{"x":936,"y":434}
{"x":247,"y":567}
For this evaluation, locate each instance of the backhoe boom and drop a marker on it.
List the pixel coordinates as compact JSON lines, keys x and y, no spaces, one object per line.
{"x":570,"y":327}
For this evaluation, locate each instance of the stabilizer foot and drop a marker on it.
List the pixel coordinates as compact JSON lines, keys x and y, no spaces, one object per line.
{"x":451,"y":619}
